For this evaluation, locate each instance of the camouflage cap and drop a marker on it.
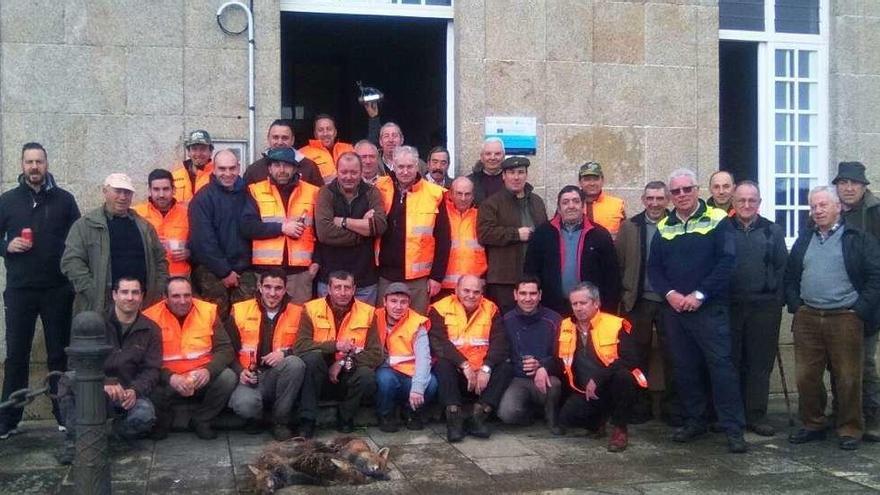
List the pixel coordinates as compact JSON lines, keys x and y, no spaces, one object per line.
{"x":590,"y":168}
{"x":199,"y":136}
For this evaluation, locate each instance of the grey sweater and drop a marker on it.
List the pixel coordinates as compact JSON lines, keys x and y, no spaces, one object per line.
{"x":824,"y":282}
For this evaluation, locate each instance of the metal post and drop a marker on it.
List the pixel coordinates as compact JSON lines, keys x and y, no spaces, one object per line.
{"x":251,"y":105}
{"x":87,"y":352}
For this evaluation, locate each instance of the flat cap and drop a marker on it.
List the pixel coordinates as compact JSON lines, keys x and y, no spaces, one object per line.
{"x":397,"y":288}
{"x":287,"y":155}
{"x":515,"y":162}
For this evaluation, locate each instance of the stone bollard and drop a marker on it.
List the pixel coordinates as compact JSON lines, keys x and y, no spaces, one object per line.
{"x":86,"y":354}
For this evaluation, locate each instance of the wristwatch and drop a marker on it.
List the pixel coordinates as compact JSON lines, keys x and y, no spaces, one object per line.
{"x":700,"y":296}
{"x":345,"y":223}
{"x":486,"y":369}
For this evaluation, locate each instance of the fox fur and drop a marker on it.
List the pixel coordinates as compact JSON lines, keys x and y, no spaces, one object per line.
{"x":341,"y":461}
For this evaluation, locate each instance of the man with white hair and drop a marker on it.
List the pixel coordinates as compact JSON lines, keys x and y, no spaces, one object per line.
{"x":832,"y":286}
{"x":691,"y":261}
{"x":486,"y":175}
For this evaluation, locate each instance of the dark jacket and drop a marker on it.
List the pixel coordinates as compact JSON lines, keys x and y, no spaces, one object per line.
{"x":760,"y":262}
{"x":596,"y":258}
{"x":215,"y":239}
{"x":693,"y":260}
{"x":136,"y":357}
{"x":480,"y":180}
{"x":587,"y":366}
{"x":632,"y":254}
{"x":308,"y":171}
{"x":865,"y":217}
{"x":860,"y":255}
{"x":443,"y":348}
{"x":535,"y":334}
{"x":498,"y":223}
{"x":49,"y":213}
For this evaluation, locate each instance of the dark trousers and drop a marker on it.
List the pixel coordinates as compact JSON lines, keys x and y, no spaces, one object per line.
{"x":211,"y":399}
{"x":700,"y":340}
{"x":617,"y":395}
{"x":501,"y":295}
{"x":823,"y":337}
{"x":754,"y":334}
{"x":645,"y":317}
{"x":870,"y":382}
{"x":54,"y":307}
{"x":351,"y":388}
{"x":453,"y":384}
{"x":211,"y":289}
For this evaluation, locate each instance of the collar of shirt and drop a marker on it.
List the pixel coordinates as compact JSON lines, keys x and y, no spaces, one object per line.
{"x":824,"y":237}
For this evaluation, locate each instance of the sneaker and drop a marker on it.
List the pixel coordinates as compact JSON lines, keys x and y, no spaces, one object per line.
{"x":848,"y":443}
{"x":62,"y":428}
{"x":203,"y":430}
{"x":619,"y":439}
{"x":454,"y":424}
{"x":281,"y":433}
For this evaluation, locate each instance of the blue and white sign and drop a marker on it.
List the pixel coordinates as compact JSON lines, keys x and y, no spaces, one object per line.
{"x":519,"y":134}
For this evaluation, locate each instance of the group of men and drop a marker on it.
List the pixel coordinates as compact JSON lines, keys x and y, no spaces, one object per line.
{"x":350,"y":271}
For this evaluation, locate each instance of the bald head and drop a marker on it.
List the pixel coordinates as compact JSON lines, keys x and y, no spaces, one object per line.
{"x":469,"y":291}
{"x":462,"y":193}
{"x":226,"y":168}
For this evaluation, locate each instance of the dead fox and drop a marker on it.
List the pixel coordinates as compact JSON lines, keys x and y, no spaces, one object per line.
{"x":358,"y":452}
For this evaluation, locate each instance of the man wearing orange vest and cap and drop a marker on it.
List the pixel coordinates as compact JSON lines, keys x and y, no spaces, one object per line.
{"x":324,"y":150}
{"x":196,"y":354}
{"x":405,"y":377}
{"x":279,"y":219}
{"x":169,"y":217}
{"x":195,"y":172}
{"x":263,"y":331}
{"x":466,"y":255}
{"x":598,"y":359}
{"x":339,"y":342}
{"x":280,"y":135}
{"x":600,"y":207}
{"x":471,"y":352}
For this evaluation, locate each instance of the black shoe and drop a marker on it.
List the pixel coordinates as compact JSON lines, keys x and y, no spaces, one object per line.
{"x":673,"y":421}
{"x":479,"y":426}
{"x":804,"y":435}
{"x":871,"y":436}
{"x":414,"y":421}
{"x":848,"y":443}
{"x":688,"y":433}
{"x":762,"y":429}
{"x":716,"y":427}
{"x":203,"y":429}
{"x":162,"y":428}
{"x":307,"y":428}
{"x":388,"y":424}
{"x":7,"y":431}
{"x":66,"y":455}
{"x":736,"y":444}
{"x":253,"y":427}
{"x":345,"y":426}
{"x":454,"y":424}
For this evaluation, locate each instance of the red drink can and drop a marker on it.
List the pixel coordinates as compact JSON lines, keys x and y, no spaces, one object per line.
{"x":27,"y":234}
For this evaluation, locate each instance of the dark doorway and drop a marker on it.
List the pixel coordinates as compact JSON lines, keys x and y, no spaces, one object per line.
{"x":738,"y":108}
{"x":323,"y":55}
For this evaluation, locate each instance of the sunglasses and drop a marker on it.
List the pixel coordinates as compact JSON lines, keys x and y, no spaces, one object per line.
{"x":682,"y":190}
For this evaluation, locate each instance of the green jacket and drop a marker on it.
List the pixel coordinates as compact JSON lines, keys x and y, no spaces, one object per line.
{"x":86,"y":261}
{"x":866,"y":216}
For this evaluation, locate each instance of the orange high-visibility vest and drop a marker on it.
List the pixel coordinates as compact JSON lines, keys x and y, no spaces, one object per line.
{"x":398,"y":341}
{"x":353,"y":328}
{"x":608,"y":211}
{"x":385,"y":185}
{"x":466,"y":256}
{"x":248,"y":317}
{"x":469,"y":335}
{"x":171,"y":227}
{"x":188,"y":347}
{"x":422,"y":206}
{"x":183,"y":187}
{"x":323,"y":158}
{"x":301,"y":203}
{"x":604,"y":330}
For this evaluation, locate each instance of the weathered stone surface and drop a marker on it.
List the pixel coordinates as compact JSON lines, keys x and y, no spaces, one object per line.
{"x":869,"y":146}
{"x":569,"y":30}
{"x":575,"y":81}
{"x":124,"y":22}
{"x":469,"y":145}
{"x":846,"y":7}
{"x":515,"y":88}
{"x":470,"y":95}
{"x":707,"y":111}
{"x":847,"y":39}
{"x":667,"y":149}
{"x":619,"y":33}
{"x":515,"y":29}
{"x":669,"y":100}
{"x":870,"y":40}
{"x":154,"y":80}
{"x":502,"y":445}
{"x":619,"y":94}
{"x":670,"y":34}
{"x":844,"y":107}
{"x":707,"y":153}
{"x":446,"y":464}
{"x":16,"y":24}
{"x":621,"y":151}
{"x":567,"y":147}
{"x":201,"y":29}
{"x":215,"y":82}
{"x":869,"y":118}
{"x":470,"y":29}
{"x":707,"y":36}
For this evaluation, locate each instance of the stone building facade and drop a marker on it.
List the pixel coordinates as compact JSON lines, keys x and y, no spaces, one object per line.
{"x":114,"y":85}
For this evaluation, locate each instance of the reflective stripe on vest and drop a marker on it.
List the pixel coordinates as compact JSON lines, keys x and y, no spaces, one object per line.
{"x":248,"y":317}
{"x":469,"y":335}
{"x":172,"y":227}
{"x":301,"y":203}
{"x":604,"y":330}
{"x":398,"y":341}
{"x":185,"y":347}
{"x":316,"y":152}
{"x":608,"y":211}
{"x":466,"y":256}
{"x":422,"y":206}
{"x":354,"y":326}
{"x":702,"y":225}
{"x":183,"y":186}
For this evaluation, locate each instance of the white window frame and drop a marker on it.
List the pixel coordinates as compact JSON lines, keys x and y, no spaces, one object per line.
{"x":768,"y":42}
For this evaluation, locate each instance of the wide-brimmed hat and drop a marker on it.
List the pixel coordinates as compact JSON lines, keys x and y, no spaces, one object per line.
{"x":854,"y":171}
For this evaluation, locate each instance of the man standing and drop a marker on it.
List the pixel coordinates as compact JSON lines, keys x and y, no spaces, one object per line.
{"x":195,"y":355}
{"x":280,"y":135}
{"x":438,"y":167}
{"x":533,"y":333}
{"x":170,"y":219}
{"x":195,"y":172}
{"x":405,"y":377}
{"x":596,"y":354}
{"x":222,"y":255}
{"x":131,"y":368}
{"x":325,"y":150}
{"x":466,"y":255}
{"x":111,"y":242}
{"x":414,"y":250}
{"x":35,"y":218}
{"x":861,"y":210}
{"x":692,"y":257}
{"x":505,"y":223}
{"x":486,"y":174}
{"x":721,"y":189}
{"x":600,"y":207}
{"x":571,"y":249}
{"x":369,"y":155}
{"x":339,"y":342}
{"x":471,"y":355}
{"x":390,"y":138}
{"x":832,"y":285}
{"x":263,"y":331}
{"x":279,"y":218}
{"x":641,"y":304}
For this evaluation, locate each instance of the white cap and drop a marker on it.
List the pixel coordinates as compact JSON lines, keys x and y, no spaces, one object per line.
{"x":119,"y":181}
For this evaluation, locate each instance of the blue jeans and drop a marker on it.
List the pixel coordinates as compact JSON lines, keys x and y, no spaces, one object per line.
{"x":363,"y":294}
{"x":393,"y":389}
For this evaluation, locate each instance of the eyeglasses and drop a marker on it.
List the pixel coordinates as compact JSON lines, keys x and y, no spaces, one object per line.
{"x":682,"y":190}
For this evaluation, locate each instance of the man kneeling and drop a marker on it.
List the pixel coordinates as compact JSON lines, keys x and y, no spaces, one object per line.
{"x":263,"y":331}
{"x":597,"y":354}
{"x":471,"y":352}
